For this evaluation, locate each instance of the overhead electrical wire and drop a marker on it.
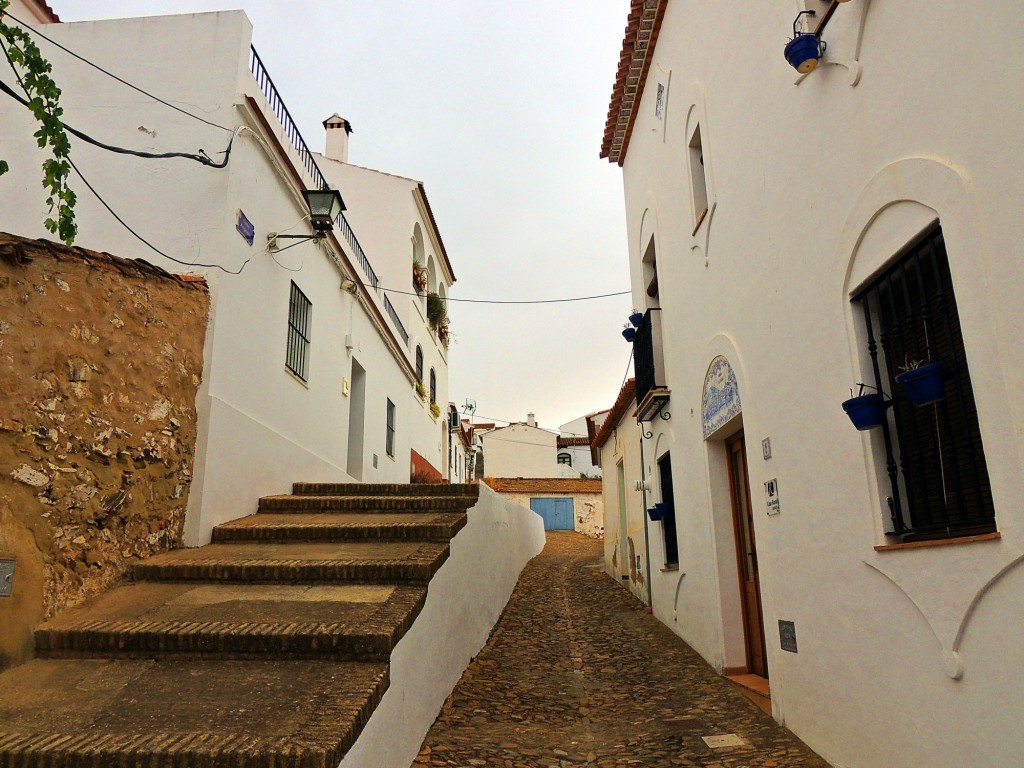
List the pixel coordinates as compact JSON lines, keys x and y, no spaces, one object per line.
{"x":35,"y":32}
{"x":199,"y":157}
{"x":144,"y":240}
{"x":516,"y":301}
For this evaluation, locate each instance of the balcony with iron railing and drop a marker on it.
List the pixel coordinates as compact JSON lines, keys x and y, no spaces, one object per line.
{"x":306,"y":159}
{"x":652,"y":392}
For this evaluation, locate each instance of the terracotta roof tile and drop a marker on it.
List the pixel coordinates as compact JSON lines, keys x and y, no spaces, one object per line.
{"x":625,"y":400}
{"x":642,"y":28}
{"x":542,"y":485}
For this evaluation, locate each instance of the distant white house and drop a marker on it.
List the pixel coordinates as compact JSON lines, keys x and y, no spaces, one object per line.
{"x":573,"y":446}
{"x":311,"y":364}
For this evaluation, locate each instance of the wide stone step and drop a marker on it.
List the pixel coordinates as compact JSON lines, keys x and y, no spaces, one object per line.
{"x":263,"y":562}
{"x":365,"y":504}
{"x":385,"y":489}
{"x":343,"y":622}
{"x":84,"y":713}
{"x":342,"y":526}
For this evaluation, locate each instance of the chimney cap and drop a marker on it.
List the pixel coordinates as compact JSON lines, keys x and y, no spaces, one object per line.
{"x":337,"y":121}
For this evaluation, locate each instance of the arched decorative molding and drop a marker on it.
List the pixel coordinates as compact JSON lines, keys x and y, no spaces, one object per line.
{"x":947,"y":611}
{"x":417,"y":244}
{"x":649,"y":235}
{"x":891,"y":211}
{"x":431,"y":274}
{"x":696,"y":114}
{"x":720,"y":397}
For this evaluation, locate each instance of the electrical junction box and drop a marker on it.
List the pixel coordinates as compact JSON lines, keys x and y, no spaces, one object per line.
{"x":6,"y":577}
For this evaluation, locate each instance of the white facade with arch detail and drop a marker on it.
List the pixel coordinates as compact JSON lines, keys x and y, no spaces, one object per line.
{"x":883,"y":185}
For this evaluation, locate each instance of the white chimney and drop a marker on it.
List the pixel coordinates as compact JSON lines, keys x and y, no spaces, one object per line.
{"x":531,"y":420}
{"x":338,"y":129}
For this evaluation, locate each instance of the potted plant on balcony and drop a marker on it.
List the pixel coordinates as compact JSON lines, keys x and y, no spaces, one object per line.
{"x":421,"y":390}
{"x":924,"y":383}
{"x":437,"y":311}
{"x":657,"y":512}
{"x":444,"y":333}
{"x":866,"y":411}
{"x":419,"y":277}
{"x":435,"y":410}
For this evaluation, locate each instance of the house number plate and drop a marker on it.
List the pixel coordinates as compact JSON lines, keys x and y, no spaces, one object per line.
{"x":6,"y":577}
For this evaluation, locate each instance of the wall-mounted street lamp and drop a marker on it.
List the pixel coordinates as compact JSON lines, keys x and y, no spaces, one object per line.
{"x":325,"y":205}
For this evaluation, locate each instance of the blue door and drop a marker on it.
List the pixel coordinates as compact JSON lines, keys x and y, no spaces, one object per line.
{"x":557,"y":513}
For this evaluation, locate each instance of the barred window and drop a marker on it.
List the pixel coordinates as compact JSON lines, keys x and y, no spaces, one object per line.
{"x":300,"y":312}
{"x":419,"y":363}
{"x":433,"y":386}
{"x":389,"y":438}
{"x":938,"y":478}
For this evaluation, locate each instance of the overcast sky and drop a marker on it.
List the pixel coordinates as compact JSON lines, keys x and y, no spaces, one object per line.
{"x":499,"y":109}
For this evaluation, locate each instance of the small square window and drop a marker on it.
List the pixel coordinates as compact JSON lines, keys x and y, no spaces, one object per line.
{"x":300,"y":314}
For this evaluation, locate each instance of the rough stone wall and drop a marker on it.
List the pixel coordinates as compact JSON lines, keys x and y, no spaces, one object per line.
{"x":100,"y":362}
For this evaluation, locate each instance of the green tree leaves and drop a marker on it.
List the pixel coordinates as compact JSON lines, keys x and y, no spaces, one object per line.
{"x":33,"y":74}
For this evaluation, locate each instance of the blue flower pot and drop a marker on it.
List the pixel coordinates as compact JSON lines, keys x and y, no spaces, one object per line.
{"x":657,"y":512}
{"x":629,"y":334}
{"x":636,"y":318}
{"x":924,"y":385}
{"x":866,"y":411}
{"x":803,"y":52}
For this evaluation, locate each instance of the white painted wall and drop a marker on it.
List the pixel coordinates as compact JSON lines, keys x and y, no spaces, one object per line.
{"x":808,"y":184}
{"x":260,"y":428}
{"x":588,"y":508}
{"x":625,"y":548}
{"x":520,"y":450}
{"x":464,"y":602}
{"x":382,"y":210}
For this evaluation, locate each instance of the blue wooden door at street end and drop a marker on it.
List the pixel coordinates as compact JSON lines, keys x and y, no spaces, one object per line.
{"x":557,"y":513}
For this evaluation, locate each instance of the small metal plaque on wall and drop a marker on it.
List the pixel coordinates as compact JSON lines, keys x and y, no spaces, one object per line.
{"x":6,"y":577}
{"x":787,"y":635}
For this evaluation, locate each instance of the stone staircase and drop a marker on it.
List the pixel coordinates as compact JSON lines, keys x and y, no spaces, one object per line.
{"x":267,"y":647}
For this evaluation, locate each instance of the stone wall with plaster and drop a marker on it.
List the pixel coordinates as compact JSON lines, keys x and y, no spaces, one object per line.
{"x":100,"y":361}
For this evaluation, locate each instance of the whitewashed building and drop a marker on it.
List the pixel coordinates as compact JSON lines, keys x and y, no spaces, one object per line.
{"x":311,"y":365}
{"x":573,"y":448}
{"x":793,"y":234}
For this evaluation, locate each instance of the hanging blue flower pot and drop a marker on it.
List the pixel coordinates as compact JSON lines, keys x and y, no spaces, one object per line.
{"x":803,"y":52}
{"x":866,"y":411}
{"x":629,"y":334}
{"x":924,"y":385}
{"x":636,"y":318}
{"x":657,"y":512}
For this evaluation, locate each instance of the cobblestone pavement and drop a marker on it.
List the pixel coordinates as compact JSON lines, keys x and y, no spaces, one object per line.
{"x":578,"y":674}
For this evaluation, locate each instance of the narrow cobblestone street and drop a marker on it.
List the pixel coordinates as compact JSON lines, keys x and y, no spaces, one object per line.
{"x":578,"y":674}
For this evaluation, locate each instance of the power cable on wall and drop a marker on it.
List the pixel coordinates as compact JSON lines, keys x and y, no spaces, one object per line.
{"x":35,"y":32}
{"x":516,"y":301}
{"x":143,"y":240}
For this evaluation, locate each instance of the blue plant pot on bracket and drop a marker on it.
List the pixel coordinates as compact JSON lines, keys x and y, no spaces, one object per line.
{"x":803,"y":52}
{"x":924,"y":385}
{"x":636,"y":318}
{"x":629,"y":334}
{"x":866,"y":411}
{"x":657,"y":512}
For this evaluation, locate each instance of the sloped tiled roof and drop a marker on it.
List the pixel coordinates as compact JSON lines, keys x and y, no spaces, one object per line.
{"x":625,"y":400}
{"x":542,"y":485}
{"x":569,"y":442}
{"x":642,"y":28}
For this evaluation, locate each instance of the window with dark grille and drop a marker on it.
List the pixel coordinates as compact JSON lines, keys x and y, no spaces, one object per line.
{"x":938,"y":479}
{"x":419,"y":363}
{"x":300,"y":313}
{"x":565,"y":458}
{"x":433,"y":386}
{"x":389,"y":439}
